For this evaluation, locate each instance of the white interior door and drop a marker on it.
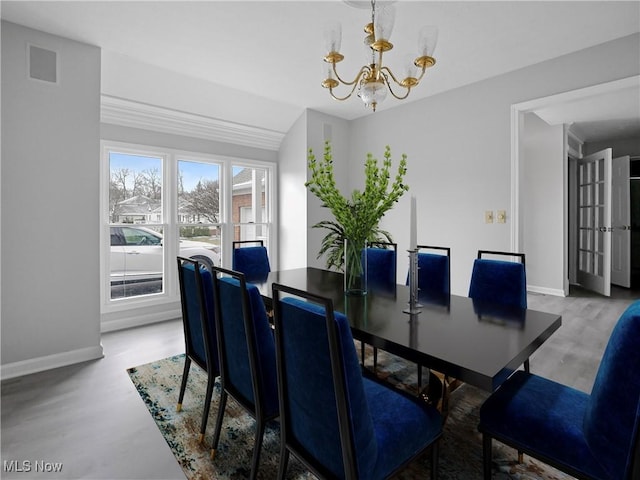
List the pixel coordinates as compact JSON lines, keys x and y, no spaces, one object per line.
{"x":620,"y":222}
{"x":594,"y":222}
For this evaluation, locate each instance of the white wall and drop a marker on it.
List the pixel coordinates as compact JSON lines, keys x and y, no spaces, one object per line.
{"x":50,"y":230}
{"x":459,"y":152}
{"x":321,"y":128}
{"x":299,"y":210}
{"x":543,"y":186}
{"x":292,"y":205}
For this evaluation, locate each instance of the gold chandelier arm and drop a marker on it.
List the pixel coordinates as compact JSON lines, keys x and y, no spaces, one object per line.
{"x":355,"y":80}
{"x":345,"y":97}
{"x":390,"y":73}
{"x":386,"y":74}
{"x":424,"y":70}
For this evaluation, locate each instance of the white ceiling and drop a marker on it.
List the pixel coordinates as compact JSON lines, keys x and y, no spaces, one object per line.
{"x":607,"y":116}
{"x":275,"y":49}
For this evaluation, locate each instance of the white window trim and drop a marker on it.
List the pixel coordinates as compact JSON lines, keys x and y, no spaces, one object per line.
{"x":129,"y":113}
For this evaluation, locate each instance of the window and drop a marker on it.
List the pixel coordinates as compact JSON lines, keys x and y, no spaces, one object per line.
{"x":136,"y":255}
{"x":249,"y":200}
{"x":160,"y":204}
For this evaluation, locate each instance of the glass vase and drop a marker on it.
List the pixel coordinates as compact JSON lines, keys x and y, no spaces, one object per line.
{"x":355,"y":267}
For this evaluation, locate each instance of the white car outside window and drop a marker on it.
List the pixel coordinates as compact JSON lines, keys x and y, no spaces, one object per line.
{"x":137,"y":254}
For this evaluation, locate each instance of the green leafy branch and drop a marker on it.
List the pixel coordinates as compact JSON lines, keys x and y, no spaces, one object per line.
{"x":357,"y":217}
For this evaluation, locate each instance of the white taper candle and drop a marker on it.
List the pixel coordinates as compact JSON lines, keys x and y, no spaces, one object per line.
{"x":413,"y":233}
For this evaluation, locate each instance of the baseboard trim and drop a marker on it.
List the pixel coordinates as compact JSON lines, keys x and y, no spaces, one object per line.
{"x":48,"y":362}
{"x":139,"y":320}
{"x":546,"y":291}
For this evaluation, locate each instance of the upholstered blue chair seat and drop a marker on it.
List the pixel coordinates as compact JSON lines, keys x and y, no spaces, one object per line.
{"x":499,"y":281}
{"x":381,"y":268}
{"x":590,"y":436}
{"x":433,"y":274}
{"x":542,"y":417}
{"x":396,"y":417}
{"x":252,"y":261}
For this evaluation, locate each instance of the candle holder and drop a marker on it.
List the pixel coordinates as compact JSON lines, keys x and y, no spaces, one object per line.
{"x":414,"y":306}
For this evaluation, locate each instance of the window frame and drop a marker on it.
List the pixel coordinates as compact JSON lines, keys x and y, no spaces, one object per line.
{"x":169,"y":223}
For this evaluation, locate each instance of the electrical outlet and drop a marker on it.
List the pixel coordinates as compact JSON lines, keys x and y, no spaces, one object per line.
{"x":488,"y":216}
{"x":502,"y":216}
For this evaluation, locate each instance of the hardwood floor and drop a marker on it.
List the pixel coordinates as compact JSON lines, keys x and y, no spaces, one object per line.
{"x":90,"y":418}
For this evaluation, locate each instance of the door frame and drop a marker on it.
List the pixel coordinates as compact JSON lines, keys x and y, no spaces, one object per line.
{"x":518,"y":112}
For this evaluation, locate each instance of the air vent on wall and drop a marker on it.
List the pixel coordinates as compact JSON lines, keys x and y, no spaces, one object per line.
{"x":43,"y":64}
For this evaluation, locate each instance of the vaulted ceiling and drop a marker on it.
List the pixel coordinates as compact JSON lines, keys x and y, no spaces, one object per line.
{"x":275,"y":49}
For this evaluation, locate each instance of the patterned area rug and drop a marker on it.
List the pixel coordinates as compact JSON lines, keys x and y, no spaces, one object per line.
{"x":158,"y":384}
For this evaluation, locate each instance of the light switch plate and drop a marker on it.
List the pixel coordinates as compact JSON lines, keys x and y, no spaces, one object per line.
{"x":502,"y":216}
{"x":488,"y":216}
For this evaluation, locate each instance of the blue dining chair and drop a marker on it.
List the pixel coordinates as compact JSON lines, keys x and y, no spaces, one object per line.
{"x":589,"y":436}
{"x":502,"y":282}
{"x":247,"y":355}
{"x":499,"y":281}
{"x":338,"y":423}
{"x":252,"y":261}
{"x":198,"y":310}
{"x":434,"y":272}
{"x":382,"y":264}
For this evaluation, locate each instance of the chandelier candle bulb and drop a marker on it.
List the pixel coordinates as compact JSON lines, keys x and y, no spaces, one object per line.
{"x":427,"y":40}
{"x":333,"y":37}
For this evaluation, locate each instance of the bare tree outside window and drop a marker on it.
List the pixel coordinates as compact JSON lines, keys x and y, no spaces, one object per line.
{"x":204,"y":201}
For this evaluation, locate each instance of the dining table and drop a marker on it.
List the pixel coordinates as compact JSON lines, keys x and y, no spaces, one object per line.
{"x":475,"y":342}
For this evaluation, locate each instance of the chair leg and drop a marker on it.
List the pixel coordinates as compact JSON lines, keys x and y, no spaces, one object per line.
{"x":207,"y":404}
{"x":362,"y":352}
{"x":284,"y":460}
{"x":435,"y":458}
{"x":183,"y":384}
{"x":257,"y":447}
{"x":216,"y":434}
{"x":486,"y":456}
{"x":419,"y":377}
{"x":375,"y":359}
{"x":446,"y":391}
{"x":527,"y":368}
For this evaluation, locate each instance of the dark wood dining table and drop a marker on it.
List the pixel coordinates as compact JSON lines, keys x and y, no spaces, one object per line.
{"x":478,"y":343}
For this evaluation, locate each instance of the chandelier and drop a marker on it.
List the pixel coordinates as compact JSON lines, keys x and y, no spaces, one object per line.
{"x":374,"y":78}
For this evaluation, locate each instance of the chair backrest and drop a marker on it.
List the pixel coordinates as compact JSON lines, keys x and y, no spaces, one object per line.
{"x":382,"y":263}
{"x":198,"y":312}
{"x":612,"y":418}
{"x":245,"y":343}
{"x":323,"y":409}
{"x":499,"y":281}
{"x":252,"y":261}
{"x":434,"y":271}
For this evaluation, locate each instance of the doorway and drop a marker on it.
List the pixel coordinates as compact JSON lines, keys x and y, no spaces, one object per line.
{"x":546,"y":108}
